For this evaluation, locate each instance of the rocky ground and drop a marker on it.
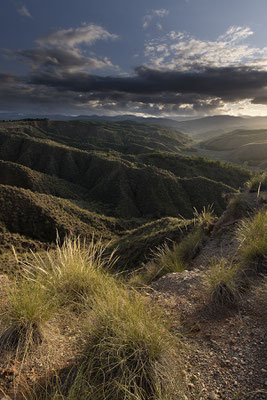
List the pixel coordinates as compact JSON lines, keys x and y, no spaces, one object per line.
{"x":229,"y":357}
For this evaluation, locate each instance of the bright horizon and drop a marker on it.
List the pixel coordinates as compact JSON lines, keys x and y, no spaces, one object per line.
{"x":174,"y":59}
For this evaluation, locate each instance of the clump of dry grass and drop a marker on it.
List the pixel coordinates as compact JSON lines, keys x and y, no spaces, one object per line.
{"x":252,"y":236}
{"x":168,"y":259}
{"x":130,"y":354}
{"x":29,"y":307}
{"x":205,"y":218}
{"x":74,"y":271}
{"x":128,"y":351}
{"x":239,"y":205}
{"x":221,"y":283}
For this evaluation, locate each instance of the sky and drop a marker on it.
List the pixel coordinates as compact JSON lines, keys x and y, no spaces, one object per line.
{"x":171,"y":58}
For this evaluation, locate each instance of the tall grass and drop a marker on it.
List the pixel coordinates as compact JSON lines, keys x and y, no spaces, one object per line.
{"x":30,"y":305}
{"x":129,"y":354}
{"x":74,"y":270}
{"x":239,"y":205}
{"x":128,"y":351}
{"x":168,"y":259}
{"x":221,"y":283}
{"x":252,"y":235}
{"x":257,"y":181}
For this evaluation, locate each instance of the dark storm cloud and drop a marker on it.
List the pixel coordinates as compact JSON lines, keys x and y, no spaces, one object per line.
{"x":149,"y":90}
{"x":44,"y":58}
{"x":228,"y":84}
{"x":7,"y":79}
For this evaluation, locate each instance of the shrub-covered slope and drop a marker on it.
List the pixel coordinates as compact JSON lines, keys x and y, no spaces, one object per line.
{"x":127,"y":187}
{"x":124,"y":137}
{"x":51,"y":180}
{"x":41,"y":216}
{"x":249,"y":146}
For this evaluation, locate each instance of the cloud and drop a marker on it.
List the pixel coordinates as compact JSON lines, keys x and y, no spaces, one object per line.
{"x":24,"y":12}
{"x":61,"y":50}
{"x":227,"y":84}
{"x":235,"y":34}
{"x":183,"y":76}
{"x":148,"y":91}
{"x":182,"y":51}
{"x":56,"y":58}
{"x":71,"y":38}
{"x":160,"y":13}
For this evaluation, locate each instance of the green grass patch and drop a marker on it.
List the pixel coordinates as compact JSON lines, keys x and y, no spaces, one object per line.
{"x":128,"y":352}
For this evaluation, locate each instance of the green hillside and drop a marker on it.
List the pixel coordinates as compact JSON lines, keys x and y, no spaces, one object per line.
{"x":52,"y":181}
{"x":243,"y":146}
{"x":124,"y":137}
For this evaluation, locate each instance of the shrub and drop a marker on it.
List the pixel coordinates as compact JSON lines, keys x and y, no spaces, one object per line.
{"x":252,"y":235}
{"x":221,"y":283}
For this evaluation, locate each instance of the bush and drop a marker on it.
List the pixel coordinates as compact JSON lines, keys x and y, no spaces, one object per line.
{"x":221,"y":283}
{"x":252,"y":235}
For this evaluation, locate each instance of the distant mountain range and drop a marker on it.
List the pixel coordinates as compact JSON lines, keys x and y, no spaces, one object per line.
{"x":200,"y":128}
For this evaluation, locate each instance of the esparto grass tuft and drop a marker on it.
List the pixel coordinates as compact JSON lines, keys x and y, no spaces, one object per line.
{"x":252,"y":236}
{"x":30,"y":306}
{"x":130,"y":354}
{"x":221,"y":283}
{"x":168,"y":259}
{"x":74,"y":271}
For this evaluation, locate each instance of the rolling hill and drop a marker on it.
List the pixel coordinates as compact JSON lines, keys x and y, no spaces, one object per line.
{"x":243,"y":146}
{"x":105,"y":179}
